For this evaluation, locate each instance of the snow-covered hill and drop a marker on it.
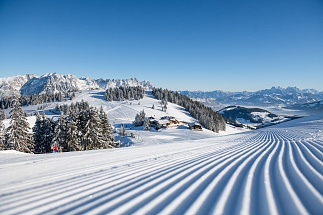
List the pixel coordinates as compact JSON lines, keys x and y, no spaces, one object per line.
{"x":53,"y":82}
{"x":252,"y":117}
{"x":275,"y":170}
{"x":312,"y":106}
{"x":267,"y":97}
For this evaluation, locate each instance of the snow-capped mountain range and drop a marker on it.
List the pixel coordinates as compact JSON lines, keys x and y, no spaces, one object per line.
{"x":11,"y":85}
{"x":52,"y":82}
{"x":267,"y":97}
{"x":112,"y":83}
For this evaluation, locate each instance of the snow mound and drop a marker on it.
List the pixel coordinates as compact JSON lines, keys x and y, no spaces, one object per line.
{"x":12,"y":152}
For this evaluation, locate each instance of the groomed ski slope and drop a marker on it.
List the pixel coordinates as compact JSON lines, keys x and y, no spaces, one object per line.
{"x":277,"y":170}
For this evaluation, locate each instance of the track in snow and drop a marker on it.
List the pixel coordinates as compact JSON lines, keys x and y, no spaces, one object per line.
{"x":277,"y":170}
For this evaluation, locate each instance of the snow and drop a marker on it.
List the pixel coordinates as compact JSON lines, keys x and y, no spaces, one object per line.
{"x":12,"y":152}
{"x":276,"y":170}
{"x":272,"y":170}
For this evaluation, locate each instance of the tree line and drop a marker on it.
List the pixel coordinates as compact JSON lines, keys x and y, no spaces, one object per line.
{"x":205,"y":115}
{"x":81,"y":129}
{"x":124,"y":93}
{"x":7,"y":101}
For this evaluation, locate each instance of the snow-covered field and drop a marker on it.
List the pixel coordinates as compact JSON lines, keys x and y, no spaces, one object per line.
{"x":275,"y":170}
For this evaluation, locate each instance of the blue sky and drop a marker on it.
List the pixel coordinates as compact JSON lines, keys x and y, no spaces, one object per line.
{"x":229,"y":45}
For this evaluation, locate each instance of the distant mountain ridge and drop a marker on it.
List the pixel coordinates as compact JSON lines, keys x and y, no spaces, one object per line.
{"x":11,"y":85}
{"x":132,"y":82}
{"x":53,"y":82}
{"x":267,"y":97}
{"x":252,"y":117}
{"x":312,"y":106}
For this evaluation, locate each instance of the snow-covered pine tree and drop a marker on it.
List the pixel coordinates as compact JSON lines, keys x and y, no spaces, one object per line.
{"x":93,"y":132}
{"x":122,"y":131}
{"x":72,"y":134}
{"x":140,"y":118}
{"x":2,"y":134}
{"x":2,"y":115}
{"x":38,"y":135}
{"x":82,"y":126}
{"x":107,"y":136}
{"x":18,"y":136}
{"x":83,"y":105}
{"x":165,"y":107}
{"x":48,"y":127}
{"x":43,"y":134}
{"x":121,"y":93}
{"x":146,"y":125}
{"x":5,"y":102}
{"x":60,"y":132}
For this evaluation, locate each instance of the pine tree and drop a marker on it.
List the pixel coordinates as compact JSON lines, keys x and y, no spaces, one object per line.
{"x":165,"y":107}
{"x":2,"y":115}
{"x":18,"y":136}
{"x":122,"y":131}
{"x":2,"y":135}
{"x":38,"y":136}
{"x":93,"y":132}
{"x":147,"y":125}
{"x":43,"y":134}
{"x":60,"y":132}
{"x":48,"y":127}
{"x":72,"y":135}
{"x":82,"y":126}
{"x":107,"y":136}
{"x":140,"y":118}
{"x":121,"y":93}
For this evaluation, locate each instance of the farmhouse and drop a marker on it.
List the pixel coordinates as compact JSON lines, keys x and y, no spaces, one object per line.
{"x":173,"y":123}
{"x":195,"y":127}
{"x":164,"y":122}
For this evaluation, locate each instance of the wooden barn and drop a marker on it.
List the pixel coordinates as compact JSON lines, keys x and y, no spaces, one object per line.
{"x":195,"y":127}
